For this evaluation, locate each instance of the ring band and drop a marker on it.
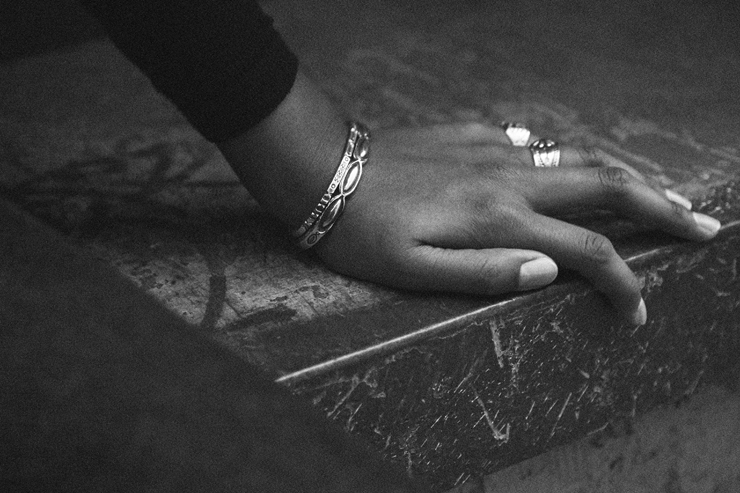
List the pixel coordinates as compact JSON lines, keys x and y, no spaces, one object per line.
{"x":517,"y":133}
{"x":545,"y":153}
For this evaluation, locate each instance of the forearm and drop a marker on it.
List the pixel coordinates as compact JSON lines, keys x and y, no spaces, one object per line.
{"x":229,"y":72}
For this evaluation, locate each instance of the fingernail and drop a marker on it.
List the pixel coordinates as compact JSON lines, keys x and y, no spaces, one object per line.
{"x":640,"y":315}
{"x":708,"y":224}
{"x":537,"y":273}
{"x":679,"y":199}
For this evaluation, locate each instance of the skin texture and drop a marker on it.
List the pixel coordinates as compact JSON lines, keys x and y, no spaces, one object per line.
{"x":453,"y":207}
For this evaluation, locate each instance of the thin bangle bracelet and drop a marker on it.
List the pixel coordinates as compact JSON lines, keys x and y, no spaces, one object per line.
{"x":345,"y":181}
{"x":348,"y":149}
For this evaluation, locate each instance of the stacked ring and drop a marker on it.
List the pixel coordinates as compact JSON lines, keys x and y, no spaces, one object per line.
{"x":517,"y":133}
{"x":545,"y":153}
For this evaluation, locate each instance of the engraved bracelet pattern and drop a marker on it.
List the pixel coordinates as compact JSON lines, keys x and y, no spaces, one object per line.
{"x":332,"y":203}
{"x":354,"y":133}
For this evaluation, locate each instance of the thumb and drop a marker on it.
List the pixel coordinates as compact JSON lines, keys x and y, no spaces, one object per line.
{"x":482,"y":271}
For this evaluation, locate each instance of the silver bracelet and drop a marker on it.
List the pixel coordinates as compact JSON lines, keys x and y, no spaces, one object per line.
{"x":332,"y":203}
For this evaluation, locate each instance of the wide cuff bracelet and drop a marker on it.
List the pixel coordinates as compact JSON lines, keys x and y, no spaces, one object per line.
{"x":332,"y":203}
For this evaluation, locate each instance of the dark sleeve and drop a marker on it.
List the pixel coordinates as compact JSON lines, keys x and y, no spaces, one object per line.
{"x":220,"y":61}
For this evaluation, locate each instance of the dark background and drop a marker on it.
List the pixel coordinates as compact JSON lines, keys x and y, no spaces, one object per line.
{"x":29,"y":27}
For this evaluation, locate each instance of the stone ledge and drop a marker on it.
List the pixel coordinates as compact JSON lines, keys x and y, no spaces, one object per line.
{"x":448,"y":386}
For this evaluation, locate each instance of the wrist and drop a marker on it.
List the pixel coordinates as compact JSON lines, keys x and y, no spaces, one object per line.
{"x":287,"y":161}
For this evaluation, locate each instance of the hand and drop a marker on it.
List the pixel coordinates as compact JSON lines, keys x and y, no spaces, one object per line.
{"x":453,"y":207}
{"x":458,"y":208}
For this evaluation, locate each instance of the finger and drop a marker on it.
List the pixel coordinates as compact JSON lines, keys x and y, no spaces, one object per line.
{"x":556,"y":191}
{"x":446,"y":134}
{"x":570,"y":157}
{"x":484,"y":271}
{"x":593,"y":157}
{"x":589,"y":253}
{"x":676,"y":198}
{"x":470,"y":133}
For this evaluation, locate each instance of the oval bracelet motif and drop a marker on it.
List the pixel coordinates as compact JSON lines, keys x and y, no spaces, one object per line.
{"x":345,"y":181}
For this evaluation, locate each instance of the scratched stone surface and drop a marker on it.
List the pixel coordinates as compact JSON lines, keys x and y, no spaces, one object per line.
{"x":690,"y":447}
{"x":450,"y":386}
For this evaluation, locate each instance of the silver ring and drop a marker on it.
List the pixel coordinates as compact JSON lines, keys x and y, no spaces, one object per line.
{"x":545,"y":153}
{"x":517,"y":133}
